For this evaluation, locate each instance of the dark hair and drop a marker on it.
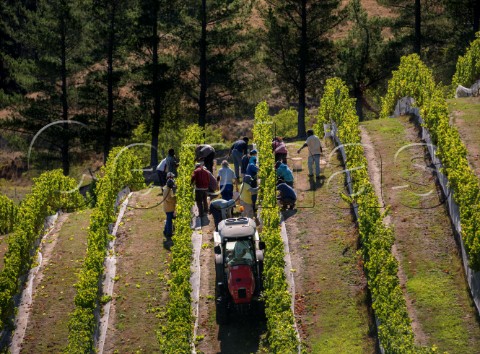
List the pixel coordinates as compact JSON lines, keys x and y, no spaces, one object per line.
{"x":310,"y":132}
{"x":171,"y":152}
{"x":245,"y":139}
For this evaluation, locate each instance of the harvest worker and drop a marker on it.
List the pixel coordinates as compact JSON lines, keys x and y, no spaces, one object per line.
{"x":238,"y":149}
{"x":226,"y":177}
{"x":172,"y":162}
{"x":287,"y":196}
{"x":279,"y":149}
{"x":205,"y":153}
{"x":252,"y":171}
{"x":169,"y":202}
{"x":246,"y":161}
{"x":314,"y":151}
{"x":284,"y":173}
{"x":246,"y":193}
{"x":162,"y":172}
{"x":201,"y":179}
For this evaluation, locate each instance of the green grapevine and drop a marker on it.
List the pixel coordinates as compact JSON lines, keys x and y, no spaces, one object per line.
{"x":381,"y":267}
{"x":176,"y":336}
{"x":123,"y":168}
{"x":50,"y":192}
{"x":8,"y":214}
{"x":468,"y":66}
{"x":450,"y":148}
{"x":281,"y":333}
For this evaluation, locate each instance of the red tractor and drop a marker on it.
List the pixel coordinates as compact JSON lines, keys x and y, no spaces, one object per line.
{"x":238,"y":268}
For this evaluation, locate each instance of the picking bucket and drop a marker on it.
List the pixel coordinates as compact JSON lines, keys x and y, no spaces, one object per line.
{"x":296,"y":163}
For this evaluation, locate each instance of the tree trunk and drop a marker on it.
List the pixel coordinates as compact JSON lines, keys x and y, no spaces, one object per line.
{"x":417,"y":46}
{"x":202,"y":101}
{"x":155,"y":88}
{"x":302,"y":67}
{"x":476,"y":16}
{"x":64,"y":98}
{"x":358,"y":94}
{"x":111,"y":48}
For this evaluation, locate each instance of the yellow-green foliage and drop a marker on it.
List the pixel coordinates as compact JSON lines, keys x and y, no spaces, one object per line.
{"x":451,"y":150}
{"x":381,"y":267}
{"x":176,"y":336}
{"x":280,"y":321}
{"x":468,"y":66}
{"x":51,"y":191}
{"x":412,"y":79}
{"x":123,"y":168}
{"x":8,"y":213}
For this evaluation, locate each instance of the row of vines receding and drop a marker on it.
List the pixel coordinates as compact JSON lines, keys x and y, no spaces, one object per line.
{"x":281,"y":334}
{"x":123,"y":168}
{"x":177,"y":335}
{"x":8,"y":214}
{"x":51,"y":192}
{"x":394,"y":330}
{"x":450,"y":148}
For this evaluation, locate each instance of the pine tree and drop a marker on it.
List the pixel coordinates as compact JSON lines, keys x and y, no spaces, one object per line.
{"x":112,"y":31}
{"x":365,"y":60}
{"x":157,"y":28}
{"x":53,"y":36}
{"x":216,"y":53}
{"x":423,"y":27}
{"x":299,"y":50}
{"x":13,"y":19}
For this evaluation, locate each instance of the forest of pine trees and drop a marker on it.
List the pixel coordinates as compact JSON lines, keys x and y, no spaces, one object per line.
{"x":115,"y":67}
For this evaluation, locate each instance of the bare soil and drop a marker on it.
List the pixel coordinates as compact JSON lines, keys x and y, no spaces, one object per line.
{"x":47,"y":330}
{"x":142,"y":265}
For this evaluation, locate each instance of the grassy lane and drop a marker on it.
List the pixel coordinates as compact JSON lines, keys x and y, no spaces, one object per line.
{"x":47,"y":330}
{"x":465,"y":115}
{"x":427,"y":252}
{"x":140,"y":290}
{"x":331,"y":301}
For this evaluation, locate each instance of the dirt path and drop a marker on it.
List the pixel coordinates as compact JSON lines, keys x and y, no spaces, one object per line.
{"x":375,"y":174}
{"x":140,"y":289}
{"x":47,"y":330}
{"x":465,"y":117}
{"x":331,"y":302}
{"x":242,"y":334}
{"x":433,"y":275}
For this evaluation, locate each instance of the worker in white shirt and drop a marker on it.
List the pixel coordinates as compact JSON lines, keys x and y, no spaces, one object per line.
{"x":314,"y":151}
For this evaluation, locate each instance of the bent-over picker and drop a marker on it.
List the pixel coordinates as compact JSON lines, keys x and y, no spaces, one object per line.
{"x":238,"y":268}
